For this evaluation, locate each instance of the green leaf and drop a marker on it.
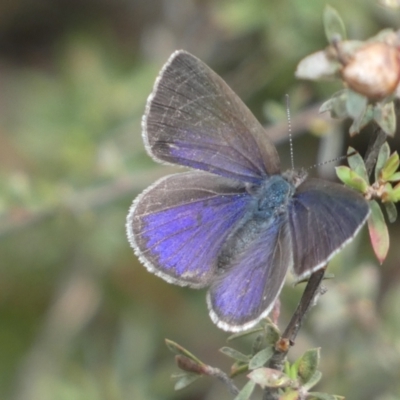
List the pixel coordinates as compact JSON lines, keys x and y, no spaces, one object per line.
{"x":245,"y":333}
{"x":390,"y":167}
{"x":178,"y":349}
{"x":356,"y":104}
{"x":258,"y":344}
{"x":336,"y":105}
{"x":344,"y":174}
{"x":185,"y":380}
{"x":290,"y":370}
{"x":395,"y":177}
{"x":357,"y":108}
{"x":359,"y":123}
{"x":357,"y":164}
{"x":236,"y":355}
{"x":333,"y":25}
{"x":271,"y":378}
{"x":391,"y":211}
{"x":391,"y":194}
{"x":383,"y":156}
{"x":261,"y":358}
{"x":292,"y":395}
{"x":272,"y":334}
{"x":313,"y":380}
{"x":378,"y":231}
{"x":246,"y":392}
{"x":385,"y":117}
{"x":239,"y":368}
{"x":388,"y":193}
{"x":351,"y":179}
{"x":308,"y":364}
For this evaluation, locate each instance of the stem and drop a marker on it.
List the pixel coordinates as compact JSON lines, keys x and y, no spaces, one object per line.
{"x":222,"y":377}
{"x":308,"y":299}
{"x":375,"y":144}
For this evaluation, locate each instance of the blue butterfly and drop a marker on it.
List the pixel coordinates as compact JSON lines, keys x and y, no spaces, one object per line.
{"x":234,"y":223}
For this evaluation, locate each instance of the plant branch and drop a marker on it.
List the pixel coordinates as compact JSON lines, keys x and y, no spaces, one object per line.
{"x":308,"y":299}
{"x":222,"y":377}
{"x":189,"y":363}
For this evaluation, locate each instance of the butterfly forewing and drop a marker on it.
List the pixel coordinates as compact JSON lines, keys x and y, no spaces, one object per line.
{"x":194,"y":119}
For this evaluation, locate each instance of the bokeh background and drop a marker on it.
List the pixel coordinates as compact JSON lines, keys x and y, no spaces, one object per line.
{"x":80,"y":318}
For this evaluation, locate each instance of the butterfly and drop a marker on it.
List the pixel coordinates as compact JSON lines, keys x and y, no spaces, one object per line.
{"x":234,"y":222}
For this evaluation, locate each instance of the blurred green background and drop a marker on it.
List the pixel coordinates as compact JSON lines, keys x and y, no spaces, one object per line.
{"x":80,"y":318}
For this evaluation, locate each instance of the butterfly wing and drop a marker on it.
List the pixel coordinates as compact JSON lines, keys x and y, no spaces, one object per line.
{"x":194,"y":119}
{"x":323,"y":218}
{"x":178,"y":225}
{"x":246,"y":290}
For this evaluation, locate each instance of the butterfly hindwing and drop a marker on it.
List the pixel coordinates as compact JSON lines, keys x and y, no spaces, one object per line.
{"x":323,"y":218}
{"x":178,"y":225}
{"x":246,"y":289}
{"x":194,"y":119}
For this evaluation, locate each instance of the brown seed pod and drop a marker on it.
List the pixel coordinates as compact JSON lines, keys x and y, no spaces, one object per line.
{"x":373,"y":70}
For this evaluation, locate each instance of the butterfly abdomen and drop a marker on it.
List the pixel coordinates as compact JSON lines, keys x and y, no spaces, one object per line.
{"x":269,"y":201}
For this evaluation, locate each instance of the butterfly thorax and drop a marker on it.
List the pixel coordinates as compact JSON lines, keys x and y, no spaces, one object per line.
{"x":271,"y":196}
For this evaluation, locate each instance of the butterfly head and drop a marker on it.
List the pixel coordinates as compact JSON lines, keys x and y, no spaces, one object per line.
{"x":295,"y":176}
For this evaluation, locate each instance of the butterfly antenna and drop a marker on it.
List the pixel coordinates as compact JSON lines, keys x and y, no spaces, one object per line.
{"x":333,"y":160}
{"x":289,"y":130}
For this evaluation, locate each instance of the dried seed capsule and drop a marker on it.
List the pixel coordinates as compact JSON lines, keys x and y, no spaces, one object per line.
{"x":373,"y":70}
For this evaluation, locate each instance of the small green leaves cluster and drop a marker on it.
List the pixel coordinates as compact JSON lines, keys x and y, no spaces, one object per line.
{"x":369,"y":70}
{"x":267,"y":334}
{"x":385,"y":189}
{"x":293,"y":383}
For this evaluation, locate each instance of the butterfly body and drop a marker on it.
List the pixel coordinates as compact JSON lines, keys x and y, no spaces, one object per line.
{"x":233,"y":223}
{"x":269,"y":201}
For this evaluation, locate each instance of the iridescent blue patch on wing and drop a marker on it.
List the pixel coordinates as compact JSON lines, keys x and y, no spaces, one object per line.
{"x":187,"y":238}
{"x":178,"y":226}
